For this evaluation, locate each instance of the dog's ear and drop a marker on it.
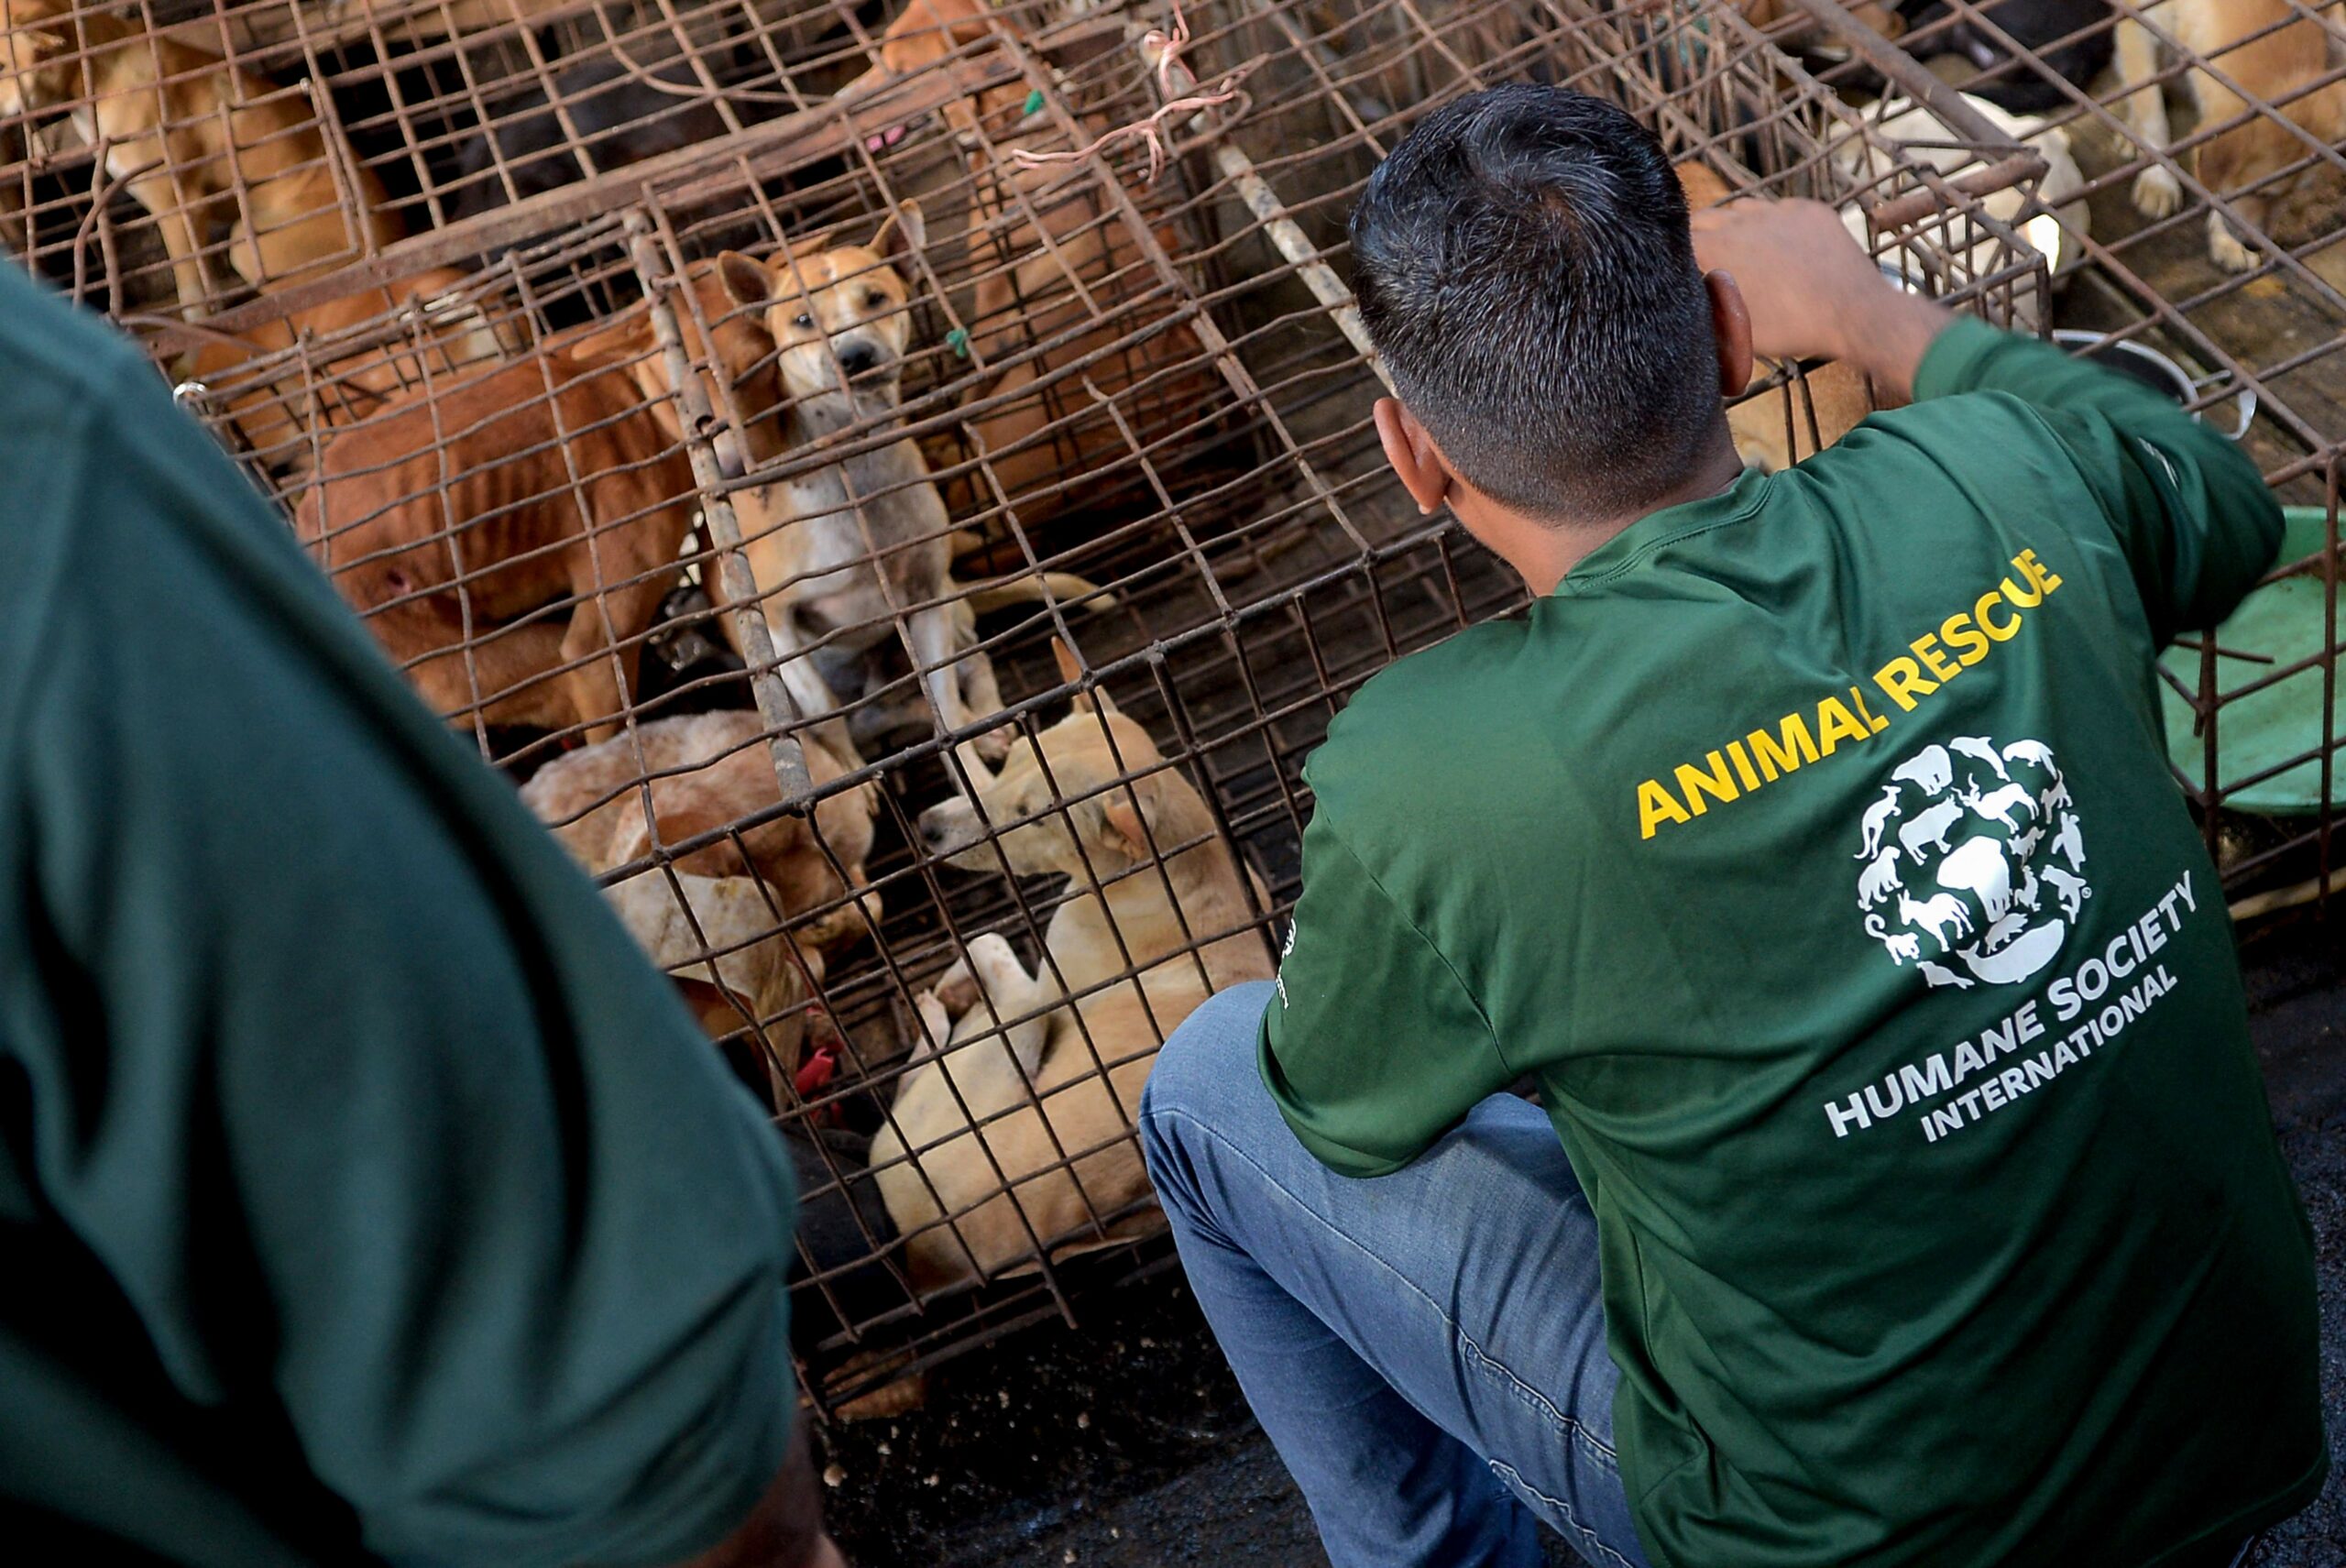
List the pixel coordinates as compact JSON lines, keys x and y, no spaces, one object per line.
{"x":903,"y":232}
{"x":1096,"y":700}
{"x":746,"y":283}
{"x":617,"y":344}
{"x":1122,"y":814}
{"x":42,"y":45}
{"x":1143,"y":820}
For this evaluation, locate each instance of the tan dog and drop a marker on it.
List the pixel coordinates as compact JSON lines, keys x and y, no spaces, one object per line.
{"x":843,"y":551}
{"x":1776,"y":429}
{"x":557,"y":481}
{"x":182,"y":130}
{"x":1115,"y":834}
{"x":1052,"y":255}
{"x":2271,"y":50}
{"x":709,"y":771}
{"x":274,"y":410}
{"x":705,"y":771}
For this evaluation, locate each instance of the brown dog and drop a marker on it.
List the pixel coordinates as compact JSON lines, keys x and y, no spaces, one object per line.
{"x":705,"y":771}
{"x":274,"y":410}
{"x":1052,"y":255}
{"x":526,"y":523}
{"x":1776,"y":429}
{"x":945,"y":1195}
{"x":212,"y":152}
{"x":709,"y":771}
{"x":2271,"y":50}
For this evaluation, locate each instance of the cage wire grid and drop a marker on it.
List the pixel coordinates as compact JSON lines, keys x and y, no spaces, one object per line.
{"x":548,"y":468}
{"x":2208,"y":146}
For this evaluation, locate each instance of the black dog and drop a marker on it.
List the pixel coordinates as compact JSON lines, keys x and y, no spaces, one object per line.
{"x":2031,"y":24}
{"x":622,"y":120}
{"x":846,"y":1230}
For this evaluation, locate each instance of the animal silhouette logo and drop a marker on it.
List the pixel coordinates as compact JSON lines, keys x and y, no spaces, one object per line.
{"x":1974,"y":862}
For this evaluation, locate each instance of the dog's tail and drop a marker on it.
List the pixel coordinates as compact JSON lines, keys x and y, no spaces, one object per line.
{"x":1064,"y":587}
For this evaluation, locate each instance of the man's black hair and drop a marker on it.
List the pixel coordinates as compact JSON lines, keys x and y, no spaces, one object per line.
{"x":1523,"y":266}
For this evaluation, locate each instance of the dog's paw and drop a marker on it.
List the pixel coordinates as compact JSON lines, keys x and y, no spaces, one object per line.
{"x":996,"y":961}
{"x":2225,"y":249}
{"x":936,"y":1026}
{"x":994,"y":745}
{"x":2157,"y":192}
{"x":956,"y":991}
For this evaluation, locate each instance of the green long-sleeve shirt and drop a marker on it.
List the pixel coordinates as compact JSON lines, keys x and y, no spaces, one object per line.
{"x":1814,"y":846}
{"x":363,"y":1193}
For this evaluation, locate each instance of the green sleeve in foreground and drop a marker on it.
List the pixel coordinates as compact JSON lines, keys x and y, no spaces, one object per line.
{"x":396,"y":1131}
{"x":1372,"y":1047}
{"x":2194,"y":520}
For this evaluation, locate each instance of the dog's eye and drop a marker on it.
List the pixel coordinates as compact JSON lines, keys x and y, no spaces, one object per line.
{"x":802,"y":321}
{"x":875,"y":301}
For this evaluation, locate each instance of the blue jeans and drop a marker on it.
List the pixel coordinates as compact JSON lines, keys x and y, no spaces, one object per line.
{"x":1425,"y":1349}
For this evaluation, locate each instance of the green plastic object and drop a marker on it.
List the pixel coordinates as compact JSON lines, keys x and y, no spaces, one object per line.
{"x":2282,"y":622}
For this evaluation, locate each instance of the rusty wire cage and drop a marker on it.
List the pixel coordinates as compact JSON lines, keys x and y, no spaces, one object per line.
{"x":566,"y":453}
{"x":2191,"y":221}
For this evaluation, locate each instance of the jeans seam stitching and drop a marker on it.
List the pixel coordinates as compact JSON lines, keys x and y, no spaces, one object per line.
{"x":1565,"y":1424}
{"x":1561,"y":1507}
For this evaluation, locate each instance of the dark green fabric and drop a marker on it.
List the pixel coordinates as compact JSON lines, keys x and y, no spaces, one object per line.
{"x":1908,"y":1260}
{"x":365,"y":1193}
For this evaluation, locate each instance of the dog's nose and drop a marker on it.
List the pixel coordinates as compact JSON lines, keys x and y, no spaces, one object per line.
{"x":858,"y":359}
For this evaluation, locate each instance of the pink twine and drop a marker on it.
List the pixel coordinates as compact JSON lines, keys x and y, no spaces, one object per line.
{"x":1177,"y":103}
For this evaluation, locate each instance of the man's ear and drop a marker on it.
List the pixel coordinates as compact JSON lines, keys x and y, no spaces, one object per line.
{"x":746,"y":281}
{"x":1416,"y":462}
{"x":1731,"y":326}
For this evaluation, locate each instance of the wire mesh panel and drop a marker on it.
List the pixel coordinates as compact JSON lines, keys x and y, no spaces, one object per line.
{"x":905,"y":541}
{"x":2191,"y":217}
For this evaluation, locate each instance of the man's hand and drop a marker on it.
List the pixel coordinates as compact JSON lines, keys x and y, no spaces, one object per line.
{"x":1813,"y":291}
{"x":785,"y":1528}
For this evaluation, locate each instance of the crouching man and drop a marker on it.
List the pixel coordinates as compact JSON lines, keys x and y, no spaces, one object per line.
{"x":1810,"y":842}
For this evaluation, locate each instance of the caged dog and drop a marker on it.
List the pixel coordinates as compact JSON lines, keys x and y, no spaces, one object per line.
{"x":2273,"y":52}
{"x":622,"y":118}
{"x":185,"y":133}
{"x":709,"y":771}
{"x":765,"y":906}
{"x":510,"y":536}
{"x":1053,"y":259}
{"x":1153,"y":878}
{"x":361,"y":349}
{"x":2071,"y":39}
{"x":841,"y":552}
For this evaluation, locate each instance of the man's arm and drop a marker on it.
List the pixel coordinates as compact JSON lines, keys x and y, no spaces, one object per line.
{"x":1373,"y":1047}
{"x":382,"y":1123}
{"x":2194,"y":520}
{"x":785,"y":1530}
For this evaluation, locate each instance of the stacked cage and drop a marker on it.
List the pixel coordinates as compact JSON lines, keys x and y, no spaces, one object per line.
{"x":900,"y":501}
{"x":2190,"y":223}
